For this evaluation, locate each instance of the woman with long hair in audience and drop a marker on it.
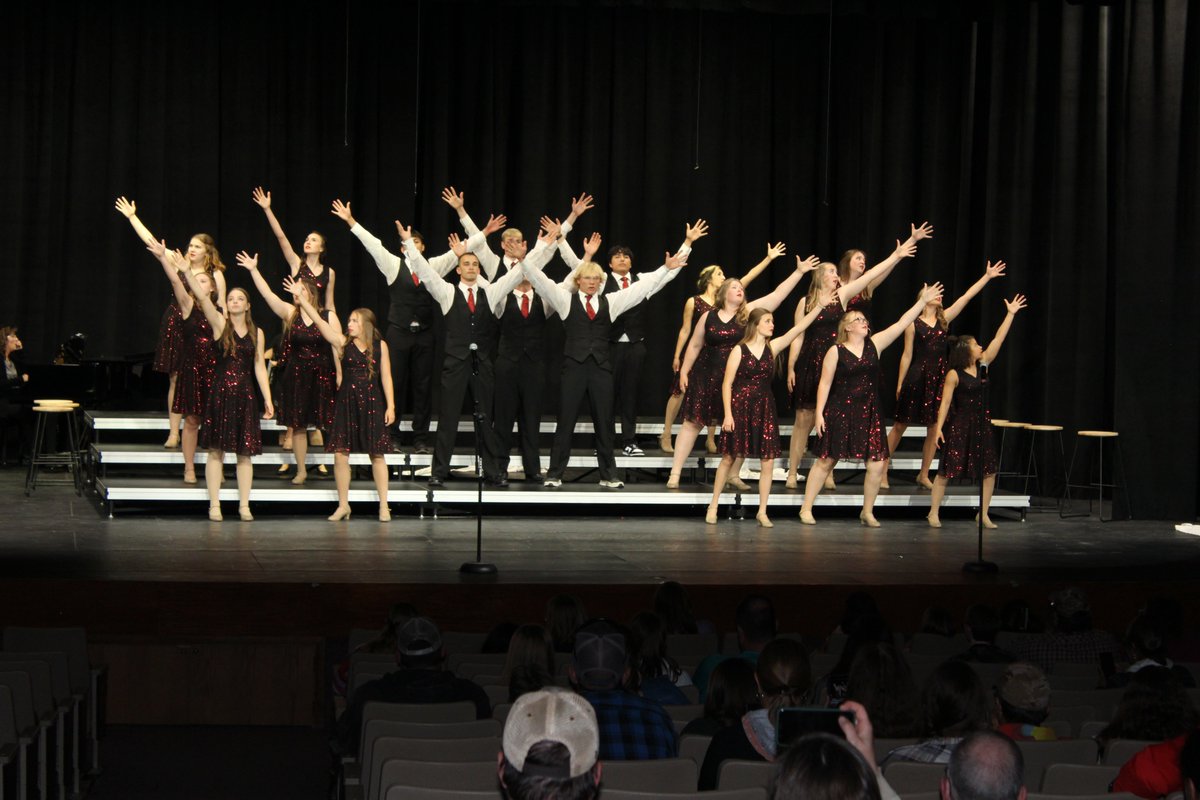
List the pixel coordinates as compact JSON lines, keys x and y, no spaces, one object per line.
{"x":529,"y":665}
{"x":311,"y":377}
{"x":564,"y":613}
{"x":923,"y":370}
{"x":732,"y":692}
{"x":1154,"y":707}
{"x":751,"y":423}
{"x":707,"y":283}
{"x":658,"y":675}
{"x":848,"y":421}
{"x":881,"y":679}
{"x":172,"y":354}
{"x":231,"y":422}
{"x":783,"y":676}
{"x":964,"y":425}
{"x":713,"y":338}
{"x":364,"y":407}
{"x":954,"y":702}
{"x":828,"y":292}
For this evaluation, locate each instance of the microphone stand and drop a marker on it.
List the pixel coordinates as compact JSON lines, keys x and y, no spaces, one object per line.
{"x":478,"y":566}
{"x":979,"y":566}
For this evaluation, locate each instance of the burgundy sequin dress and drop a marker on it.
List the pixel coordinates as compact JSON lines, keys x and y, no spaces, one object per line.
{"x":818,"y":338}
{"x":168,"y":354}
{"x":860,"y":303}
{"x":853,"y":422}
{"x":359,"y":408}
{"x":700,"y":307}
{"x":309,"y":382}
{"x":702,"y":401}
{"x":198,"y":361}
{"x":321,"y":280}
{"x":231,"y":419}
{"x":968,"y":432}
{"x":755,"y":427}
{"x":921,"y":393}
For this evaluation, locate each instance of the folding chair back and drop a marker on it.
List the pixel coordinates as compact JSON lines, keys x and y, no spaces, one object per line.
{"x":408,"y":774}
{"x":664,"y":775}
{"x":1076,"y":779}
{"x":738,"y":774}
{"x":910,"y":777}
{"x":1039,"y":755}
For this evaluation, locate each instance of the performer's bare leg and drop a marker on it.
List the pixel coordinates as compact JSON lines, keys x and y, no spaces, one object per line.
{"x":816,"y":480}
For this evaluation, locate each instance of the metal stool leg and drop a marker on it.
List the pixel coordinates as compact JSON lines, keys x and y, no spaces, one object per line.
{"x":1062,"y":513}
{"x":39,"y":430}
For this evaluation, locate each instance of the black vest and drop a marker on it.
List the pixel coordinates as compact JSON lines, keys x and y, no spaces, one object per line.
{"x":630,"y":322}
{"x":523,"y":336}
{"x":463,"y":327}
{"x":587,"y":337}
{"x":409,"y":303}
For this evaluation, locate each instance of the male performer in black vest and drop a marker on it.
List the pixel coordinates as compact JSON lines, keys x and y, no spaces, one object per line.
{"x":409,"y":331}
{"x":471,"y":310}
{"x":588,"y":317}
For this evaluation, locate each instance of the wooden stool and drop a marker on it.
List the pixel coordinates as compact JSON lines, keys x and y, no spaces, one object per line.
{"x":1004,"y":425}
{"x":1031,"y":466}
{"x":1099,"y":485}
{"x":42,"y":409}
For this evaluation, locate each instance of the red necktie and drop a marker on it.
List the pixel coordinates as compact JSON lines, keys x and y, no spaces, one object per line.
{"x":524,"y":305}
{"x":416,"y":280}
{"x":624,"y":281}
{"x":471,"y":300}
{"x":587,"y":304}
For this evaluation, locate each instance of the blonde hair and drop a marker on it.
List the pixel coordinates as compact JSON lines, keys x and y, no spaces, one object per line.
{"x":212,"y":256}
{"x":368,"y":330}
{"x":843,"y":323}
{"x":814,"y":285}
{"x":512,"y":233}
{"x":227,"y":340}
{"x":743,"y":312}
{"x":588,"y":269}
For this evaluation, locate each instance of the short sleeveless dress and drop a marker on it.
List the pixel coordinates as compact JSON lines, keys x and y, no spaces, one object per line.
{"x":168,"y":353}
{"x":231,"y":421}
{"x":860,"y":303}
{"x":700,"y":307}
{"x":321,"y":280}
{"x":309,"y":382}
{"x":968,"y":432}
{"x":818,"y":338}
{"x":702,"y":403}
{"x":755,"y":426}
{"x":358,"y":410}
{"x":921,"y":393}
{"x":853,"y":422}
{"x":197,"y":364}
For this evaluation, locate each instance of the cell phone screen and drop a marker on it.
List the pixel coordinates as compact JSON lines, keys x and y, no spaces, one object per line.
{"x":796,"y":722}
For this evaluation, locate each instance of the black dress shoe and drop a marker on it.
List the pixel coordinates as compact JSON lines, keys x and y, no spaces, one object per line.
{"x":420,"y":448}
{"x":499,"y":482}
{"x":436,"y":483}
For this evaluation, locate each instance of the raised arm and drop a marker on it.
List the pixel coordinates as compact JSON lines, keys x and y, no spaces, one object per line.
{"x":944,"y":409}
{"x":992,"y":271}
{"x":639,"y":290}
{"x":889,"y":334}
{"x":876,"y":274}
{"x":773,"y":252}
{"x":691,"y":234}
{"x":828,"y":368}
{"x":685,"y":327}
{"x":554,"y":295}
{"x":772,"y":300}
{"x":731,"y":368}
{"x":695,"y":344}
{"x":388,"y":263}
{"x":260,"y":374}
{"x":328,"y":329}
{"x":435,"y":284}
{"x":215,"y":318}
{"x":579,"y":206}
{"x":282,"y":308}
{"x":993,"y":349}
{"x":785,"y":340}
{"x":263,"y":199}
{"x":172,"y":269}
{"x":910,"y":335}
{"x":128,"y":209}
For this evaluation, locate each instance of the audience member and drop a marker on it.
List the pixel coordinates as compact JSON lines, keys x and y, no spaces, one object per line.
{"x":755,"y":621}
{"x":530,"y":662}
{"x":985,"y":766}
{"x":982,"y":626}
{"x":1155,"y":707}
{"x":732,"y":691}
{"x":954,"y":703}
{"x":1167,"y":612}
{"x":821,"y":766}
{"x":564,"y":614}
{"x":1023,"y":703}
{"x":655,"y":674}
{"x":830,"y":689}
{"x":938,"y":621}
{"x":882,"y":681}
{"x":384,"y":642}
{"x":1072,"y":638}
{"x":783,"y":675}
{"x":420,"y":679}
{"x":1162,"y":769}
{"x":858,"y":606}
{"x":672,"y":603}
{"x":498,"y":638}
{"x":1146,"y":646}
{"x":551,"y":748}
{"x":631,"y":727}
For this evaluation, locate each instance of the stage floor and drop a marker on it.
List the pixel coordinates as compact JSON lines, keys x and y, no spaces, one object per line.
{"x":56,"y":535}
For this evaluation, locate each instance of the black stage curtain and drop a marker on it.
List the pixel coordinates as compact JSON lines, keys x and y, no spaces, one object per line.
{"x":1060,"y":137}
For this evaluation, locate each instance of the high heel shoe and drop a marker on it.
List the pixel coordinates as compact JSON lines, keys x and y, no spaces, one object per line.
{"x":189,"y":476}
{"x":710,"y":445}
{"x":868,"y":520}
{"x":244,"y":514}
{"x":807,"y":518}
{"x":924,"y":482}
{"x":664,"y":443}
{"x":764,"y":521}
{"x":791,"y":482}
{"x":172,"y":442}
{"x":343,"y":512}
{"x":385,"y":514}
{"x":214,"y":513}
{"x":322,"y":470}
{"x":300,"y":478}
{"x":673,"y":481}
{"x":933,"y":521}
{"x":737,"y":483}
{"x":284,"y":469}
{"x":710,"y":516}
{"x":987,"y":523}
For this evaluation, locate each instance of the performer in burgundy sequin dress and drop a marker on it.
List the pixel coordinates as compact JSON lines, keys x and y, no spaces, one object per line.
{"x":310,"y":265}
{"x":709,"y":281}
{"x":848,"y":421}
{"x":923,"y":369}
{"x":202,"y":256}
{"x":748,"y":407}
{"x":712,"y":339}
{"x":964,"y":427}
{"x":231,"y":413}
{"x":364,"y":406}
{"x":309,"y":381}
{"x":836,"y":294}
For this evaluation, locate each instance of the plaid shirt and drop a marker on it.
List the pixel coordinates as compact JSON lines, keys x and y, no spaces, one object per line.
{"x":1083,"y":647}
{"x":930,"y":751}
{"x":632,"y":728}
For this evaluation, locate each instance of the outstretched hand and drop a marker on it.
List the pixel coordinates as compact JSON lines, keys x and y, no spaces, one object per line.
{"x":127,"y":207}
{"x":581,"y":204}
{"x":405,"y":233}
{"x":905,"y":249}
{"x":494,"y":224}
{"x":697,"y":230}
{"x":931,"y":292}
{"x":808,"y":264}
{"x":294,"y":288}
{"x":591,"y":246}
{"x":994,"y":270}
{"x":551,"y":228}
{"x":158,"y":249}
{"x":776,"y":250}
{"x":262,"y":198}
{"x":457,"y":246}
{"x":342,"y":211}
{"x":925,"y":231}
{"x":453,"y":198}
{"x":248,"y":261}
{"x":675,"y":261}
{"x":1016,"y":304}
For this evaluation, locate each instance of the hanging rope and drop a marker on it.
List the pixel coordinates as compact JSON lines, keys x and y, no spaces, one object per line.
{"x":699,"y":64}
{"x":417,"y":101}
{"x":828,"y":100}
{"x":346,"y":86}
